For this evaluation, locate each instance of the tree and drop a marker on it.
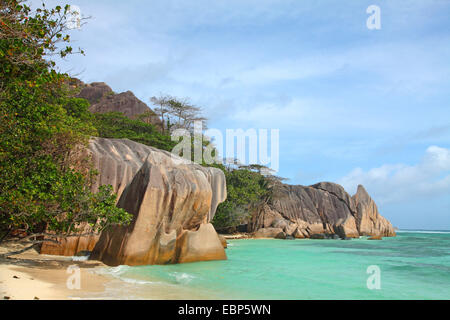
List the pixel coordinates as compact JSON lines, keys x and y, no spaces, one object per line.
{"x":149,"y":117}
{"x":246,"y":189}
{"x":27,"y":37}
{"x":184,"y":114}
{"x":176,"y":113}
{"x":44,"y":180}
{"x":162,"y":108}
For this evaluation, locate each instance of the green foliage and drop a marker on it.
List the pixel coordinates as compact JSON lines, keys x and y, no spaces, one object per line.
{"x":79,"y":205}
{"x":116,"y":125}
{"x":78,"y":108}
{"x":26,"y":37}
{"x":40,"y":127}
{"x":44,"y":184}
{"x":104,"y":207}
{"x":245,"y":190}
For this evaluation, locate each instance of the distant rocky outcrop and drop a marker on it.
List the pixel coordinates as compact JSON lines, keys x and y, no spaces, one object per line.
{"x":368,"y":219}
{"x":319,"y":211}
{"x":172,"y":200}
{"x":103,"y":99}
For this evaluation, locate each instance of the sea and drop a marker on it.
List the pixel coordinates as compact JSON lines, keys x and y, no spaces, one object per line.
{"x":413,"y":265}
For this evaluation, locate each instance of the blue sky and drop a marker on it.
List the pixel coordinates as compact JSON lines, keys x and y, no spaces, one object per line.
{"x":353,"y":105}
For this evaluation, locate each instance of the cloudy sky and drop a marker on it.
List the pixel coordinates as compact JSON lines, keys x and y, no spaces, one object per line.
{"x":353,"y":105}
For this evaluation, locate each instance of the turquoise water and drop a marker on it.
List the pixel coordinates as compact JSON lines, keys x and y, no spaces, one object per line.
{"x":413,"y":265}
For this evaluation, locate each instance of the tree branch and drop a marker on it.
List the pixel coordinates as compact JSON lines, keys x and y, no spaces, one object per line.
{"x":5,"y":255}
{"x":35,"y":235}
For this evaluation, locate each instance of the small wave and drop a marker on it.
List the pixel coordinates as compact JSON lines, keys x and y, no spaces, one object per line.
{"x":135,"y":281}
{"x":182,"y":277}
{"x":81,"y":258}
{"x":113,"y":271}
{"x":118,"y":273}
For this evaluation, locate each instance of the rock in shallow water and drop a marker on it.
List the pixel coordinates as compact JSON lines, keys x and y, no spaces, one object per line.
{"x":201,"y":245}
{"x":223,"y":241}
{"x":172,"y":201}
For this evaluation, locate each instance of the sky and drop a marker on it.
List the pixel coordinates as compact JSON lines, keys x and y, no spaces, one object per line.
{"x":352,"y":105}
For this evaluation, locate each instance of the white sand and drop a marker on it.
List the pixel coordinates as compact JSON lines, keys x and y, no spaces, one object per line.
{"x":25,"y":283}
{"x":30,"y":275}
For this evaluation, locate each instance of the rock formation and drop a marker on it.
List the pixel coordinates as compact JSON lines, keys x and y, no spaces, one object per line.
{"x":369,"y":221}
{"x":103,"y":99}
{"x":319,"y":211}
{"x":172,"y":201}
{"x":70,"y":246}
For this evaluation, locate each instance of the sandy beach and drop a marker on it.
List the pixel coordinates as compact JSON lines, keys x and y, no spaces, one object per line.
{"x":29,"y":276}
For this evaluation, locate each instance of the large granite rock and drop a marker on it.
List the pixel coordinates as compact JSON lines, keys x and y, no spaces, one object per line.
{"x":103,"y":99}
{"x":368,"y":219}
{"x":172,"y":201}
{"x":200,"y":245}
{"x":70,"y":246}
{"x":321,"y":209}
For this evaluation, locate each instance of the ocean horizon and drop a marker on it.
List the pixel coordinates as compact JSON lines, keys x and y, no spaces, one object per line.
{"x":423,"y":230}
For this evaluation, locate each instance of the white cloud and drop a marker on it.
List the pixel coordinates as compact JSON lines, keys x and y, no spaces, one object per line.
{"x":394,"y":183}
{"x":312,"y":116}
{"x":291,"y":69}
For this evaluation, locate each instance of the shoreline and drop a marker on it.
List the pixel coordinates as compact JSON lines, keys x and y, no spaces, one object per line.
{"x":45,"y":276}
{"x":31,"y":276}
{"x":236,"y":236}
{"x":34,"y":276}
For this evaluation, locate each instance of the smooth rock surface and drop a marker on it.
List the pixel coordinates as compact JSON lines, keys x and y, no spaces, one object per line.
{"x":201,"y":245}
{"x":172,"y":201}
{"x":167,"y":196}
